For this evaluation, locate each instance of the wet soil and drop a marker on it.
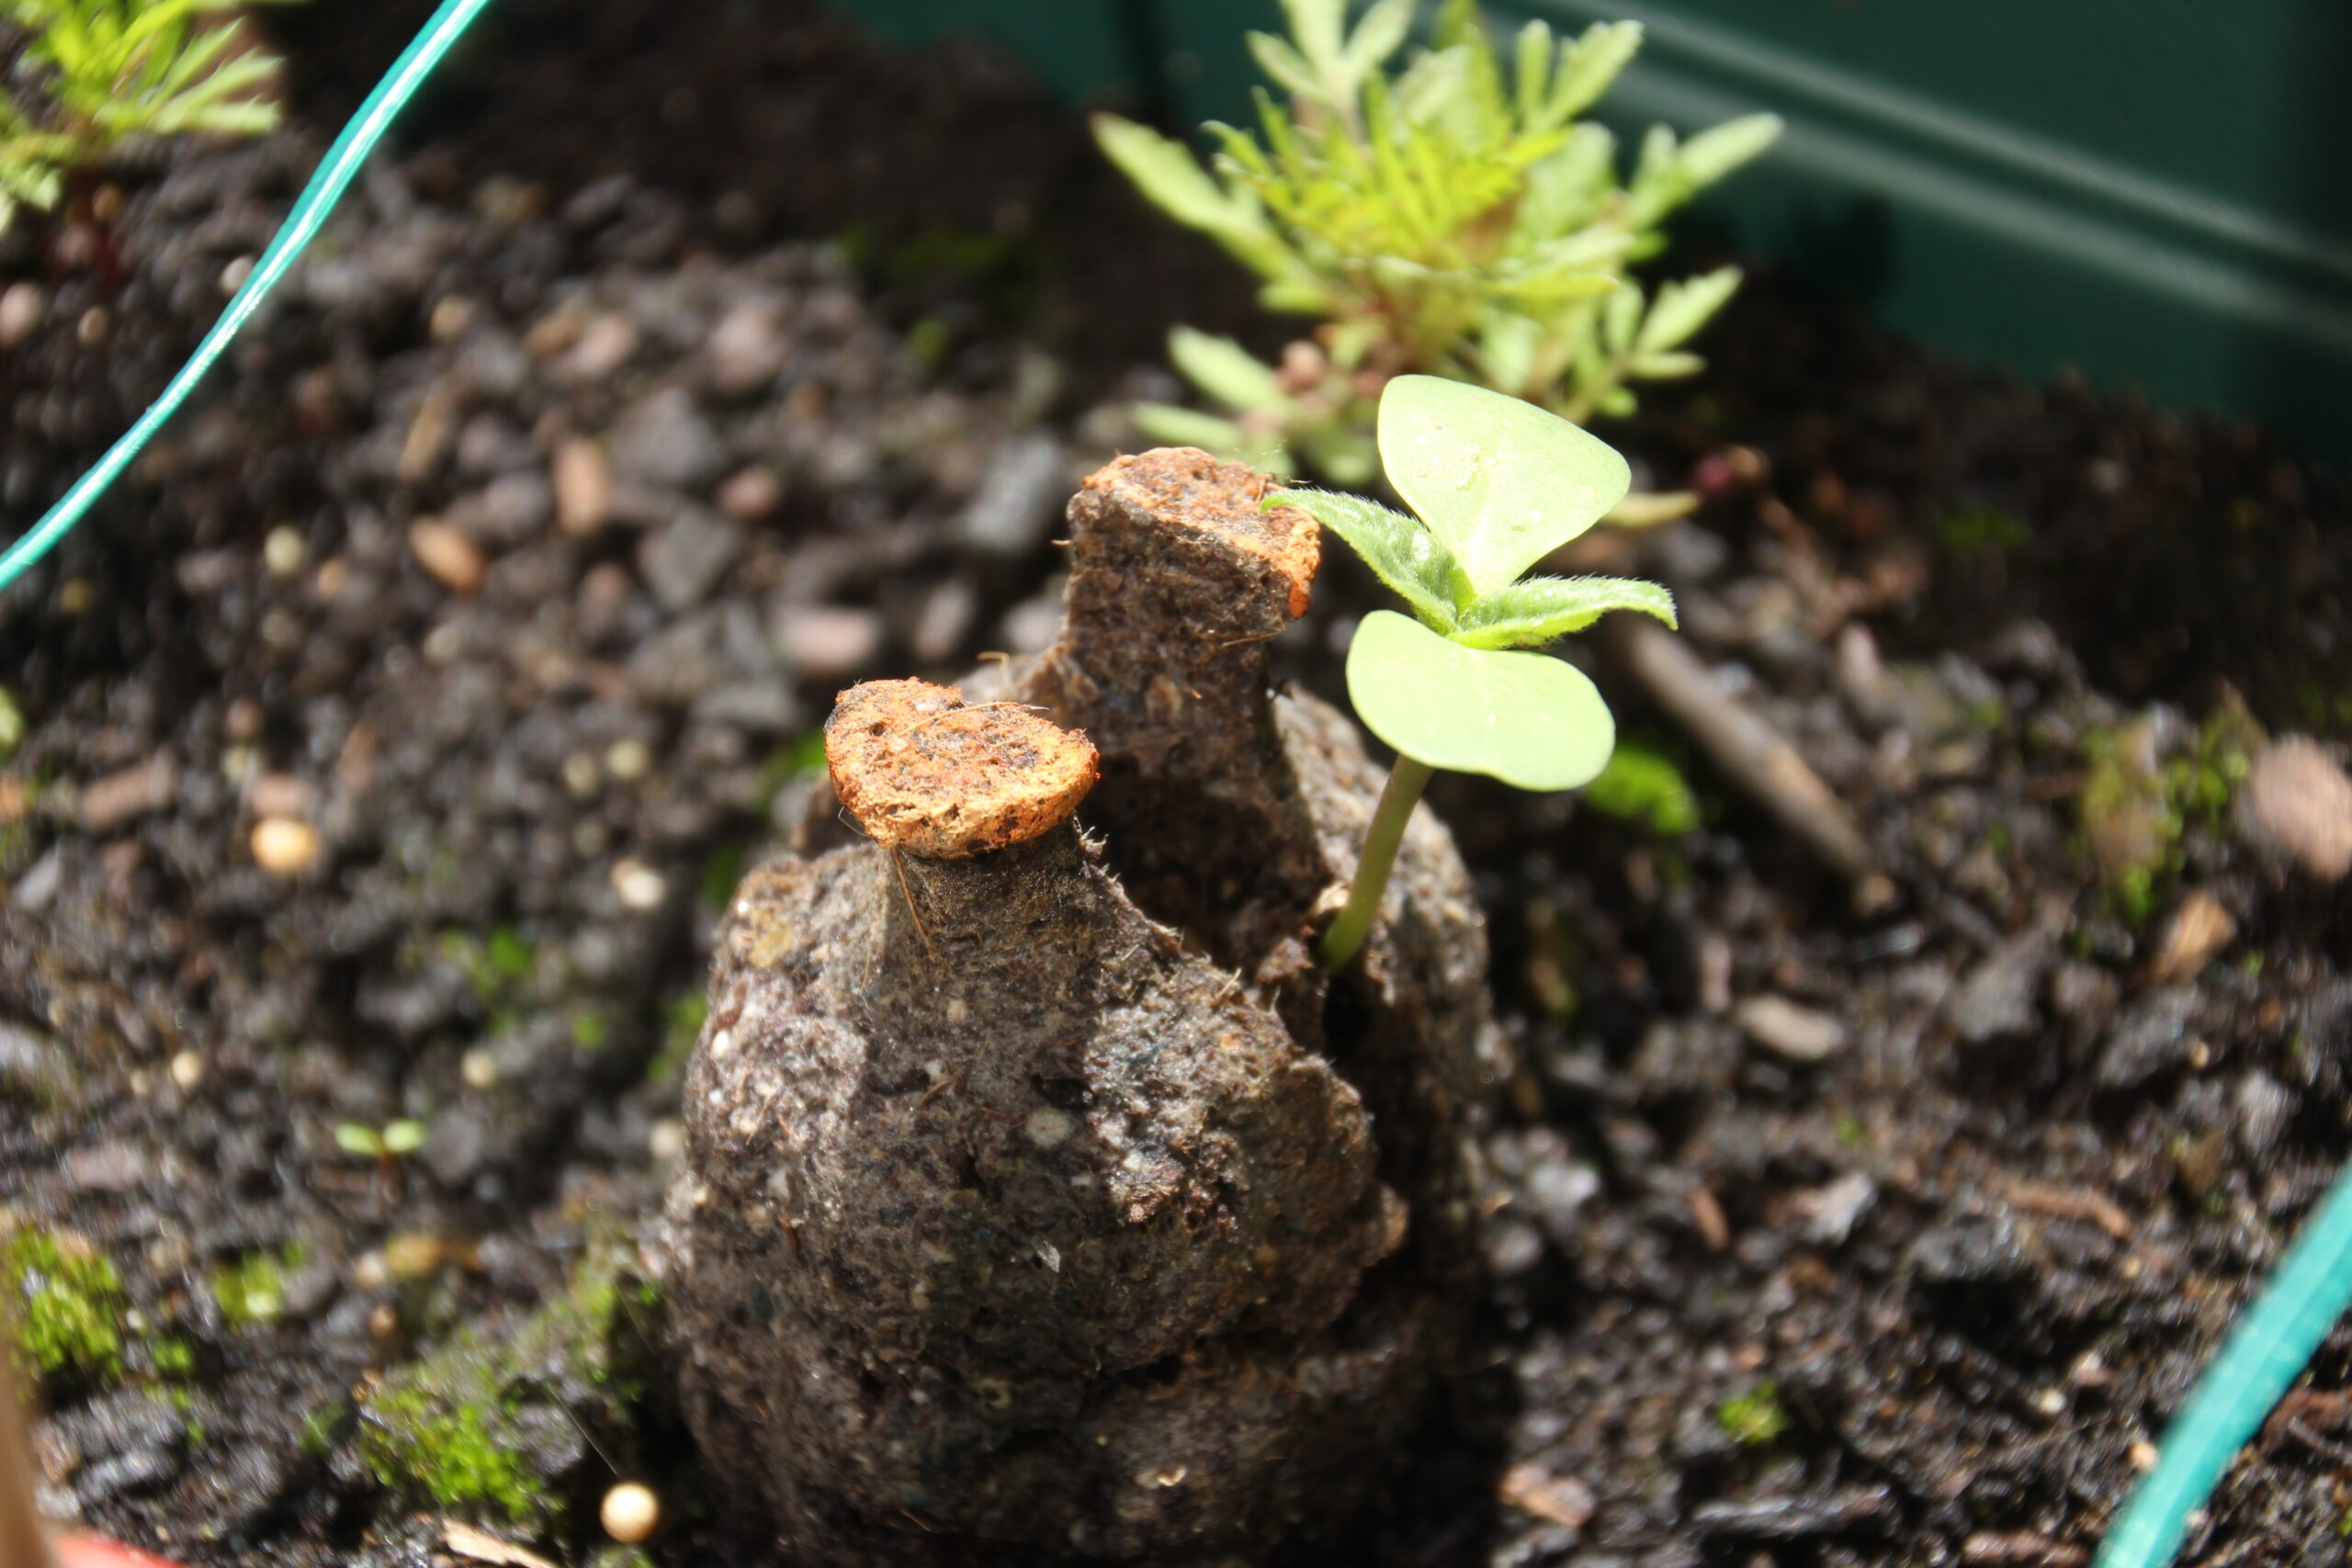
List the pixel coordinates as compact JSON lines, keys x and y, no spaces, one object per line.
{"x":509,"y":565}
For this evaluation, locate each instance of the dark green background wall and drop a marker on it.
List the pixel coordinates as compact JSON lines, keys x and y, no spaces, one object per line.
{"x":2156,"y":191}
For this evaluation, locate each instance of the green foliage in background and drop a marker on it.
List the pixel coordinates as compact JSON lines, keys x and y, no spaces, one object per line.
{"x":1454,"y":218}
{"x":104,"y":70}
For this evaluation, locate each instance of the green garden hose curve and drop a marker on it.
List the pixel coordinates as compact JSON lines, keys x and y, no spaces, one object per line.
{"x":2264,"y":1353}
{"x":332,"y":178}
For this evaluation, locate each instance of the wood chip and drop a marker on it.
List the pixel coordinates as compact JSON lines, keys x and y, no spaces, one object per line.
{"x":1562,"y":1500}
{"x":444,"y":550}
{"x":2072,"y":1203}
{"x":2200,"y":929}
{"x":480,"y":1546}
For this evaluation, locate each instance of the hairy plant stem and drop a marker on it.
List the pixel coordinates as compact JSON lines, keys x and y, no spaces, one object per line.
{"x":1345,"y":938}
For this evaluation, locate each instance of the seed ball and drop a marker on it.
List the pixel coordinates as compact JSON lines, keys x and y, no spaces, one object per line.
{"x":631,"y":1513}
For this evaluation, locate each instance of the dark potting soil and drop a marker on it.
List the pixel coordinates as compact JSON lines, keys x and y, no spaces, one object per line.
{"x":692,"y":362}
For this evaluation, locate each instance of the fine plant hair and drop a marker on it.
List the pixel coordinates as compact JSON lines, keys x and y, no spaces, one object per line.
{"x":99,"y":73}
{"x":1452,"y":218}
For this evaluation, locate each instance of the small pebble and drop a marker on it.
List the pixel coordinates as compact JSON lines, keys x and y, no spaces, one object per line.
{"x":282,"y":552}
{"x":91,"y":329}
{"x":479,"y":1068}
{"x":452,"y":314}
{"x":452,"y":558}
{"x":667,"y":1140}
{"x":22,"y":308}
{"x":584,"y":487}
{"x":752,"y":494}
{"x":284,"y":846}
{"x":2199,"y":929}
{"x":828,"y":642}
{"x":631,"y":1513}
{"x":2297,"y":806}
{"x":628,"y":760}
{"x":1799,"y":1033}
{"x":188,"y":1070}
{"x":641,"y":886}
{"x":581,"y":775}
{"x":233,"y":276}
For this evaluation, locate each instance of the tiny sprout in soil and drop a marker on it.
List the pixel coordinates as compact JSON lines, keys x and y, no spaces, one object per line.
{"x":1497,"y":485}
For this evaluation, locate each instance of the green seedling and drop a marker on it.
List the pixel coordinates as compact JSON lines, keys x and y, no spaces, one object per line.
{"x":1452,"y":218}
{"x":1497,"y":485}
{"x":111,"y":69}
{"x":389,"y":1142}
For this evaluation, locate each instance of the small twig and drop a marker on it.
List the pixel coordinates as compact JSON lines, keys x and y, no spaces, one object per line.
{"x":1749,"y":751}
{"x":2072,"y":1203}
{"x":21,"y":1540}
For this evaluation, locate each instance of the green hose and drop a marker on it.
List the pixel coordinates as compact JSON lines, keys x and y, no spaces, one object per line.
{"x":335,"y":175}
{"x":2265,"y":1353}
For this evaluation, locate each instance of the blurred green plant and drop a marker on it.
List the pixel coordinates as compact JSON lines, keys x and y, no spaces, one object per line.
{"x":105,"y":71}
{"x":1453,"y":219}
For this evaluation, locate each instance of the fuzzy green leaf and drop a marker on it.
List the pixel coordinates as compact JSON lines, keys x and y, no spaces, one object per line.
{"x":1589,"y":66}
{"x":1501,"y":482}
{"x":1400,"y":552}
{"x":1682,"y":308}
{"x":1284,"y":65}
{"x":1377,"y":36}
{"x":1542,"y":610}
{"x":1166,"y":172}
{"x":1318,"y":25}
{"x":1718,"y":151}
{"x":1526,"y":719}
{"x":1225,"y":370}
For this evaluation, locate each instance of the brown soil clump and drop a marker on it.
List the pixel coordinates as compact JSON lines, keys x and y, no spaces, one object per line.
{"x":1022,"y":1219}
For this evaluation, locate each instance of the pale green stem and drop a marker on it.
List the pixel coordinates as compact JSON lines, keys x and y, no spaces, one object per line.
{"x":1345,"y":939}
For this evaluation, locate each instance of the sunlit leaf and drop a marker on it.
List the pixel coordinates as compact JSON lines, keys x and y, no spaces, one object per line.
{"x":1526,"y":719}
{"x":1502,"y":483}
{"x":1542,"y":610}
{"x":1223,"y":369}
{"x":1400,"y":552}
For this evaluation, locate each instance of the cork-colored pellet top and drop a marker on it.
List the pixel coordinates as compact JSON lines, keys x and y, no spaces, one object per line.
{"x":1186,"y":487}
{"x":922,"y":772}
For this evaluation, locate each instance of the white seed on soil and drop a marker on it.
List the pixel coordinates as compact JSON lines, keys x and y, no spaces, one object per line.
{"x":454,"y":560}
{"x":284,"y":846}
{"x":188,"y":1070}
{"x":93,"y":327}
{"x":667,"y":1140}
{"x":233,"y":276}
{"x":581,"y":775}
{"x":628,"y":760}
{"x":1048,"y":1125}
{"x":631,"y":1513}
{"x":639,"y":887}
{"x":479,"y":1067}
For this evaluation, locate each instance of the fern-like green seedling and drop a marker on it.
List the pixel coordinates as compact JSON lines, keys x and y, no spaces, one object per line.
{"x":1497,"y":484}
{"x":110,"y":70}
{"x":1454,"y":218}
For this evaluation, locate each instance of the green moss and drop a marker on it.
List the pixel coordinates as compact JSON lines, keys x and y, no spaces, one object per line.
{"x":323,"y":1428}
{"x":253,"y":1288}
{"x":1754,"y":1419}
{"x":1982,"y":530}
{"x":2134,"y":810}
{"x":590,"y":1030}
{"x":173,"y":1357}
{"x":1642,"y":785}
{"x":71,"y":1303}
{"x":493,"y":1421}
